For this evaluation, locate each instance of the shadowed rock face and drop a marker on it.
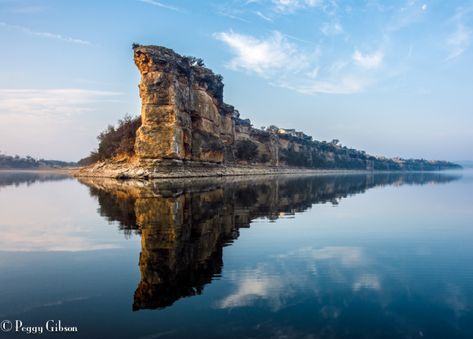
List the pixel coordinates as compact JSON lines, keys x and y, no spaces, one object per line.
{"x":185,"y":224}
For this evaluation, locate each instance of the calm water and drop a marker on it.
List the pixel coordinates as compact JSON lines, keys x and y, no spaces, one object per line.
{"x":383,"y":256}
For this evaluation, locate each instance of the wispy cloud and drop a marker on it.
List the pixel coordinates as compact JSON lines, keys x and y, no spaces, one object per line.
{"x":458,"y":41}
{"x":159,"y":4}
{"x":26,"y":9}
{"x":460,"y":38}
{"x":264,"y":17}
{"x":285,"y":64}
{"x":21,"y":103}
{"x":331,"y":28}
{"x":232,"y":14}
{"x":262,"y":56}
{"x":368,"y":61}
{"x":290,"y":6}
{"x":47,"y":35}
{"x":410,"y":13}
{"x":345,"y":84}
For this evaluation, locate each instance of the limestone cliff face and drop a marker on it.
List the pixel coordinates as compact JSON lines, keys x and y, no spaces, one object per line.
{"x":185,"y":121}
{"x":183,"y":114}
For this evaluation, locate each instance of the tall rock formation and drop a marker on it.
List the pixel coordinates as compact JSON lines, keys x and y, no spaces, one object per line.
{"x":183,"y":114}
{"x":185,"y":121}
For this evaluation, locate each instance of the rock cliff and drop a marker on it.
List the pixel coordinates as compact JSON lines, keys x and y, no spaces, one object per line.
{"x":185,"y":119}
{"x":185,"y":124}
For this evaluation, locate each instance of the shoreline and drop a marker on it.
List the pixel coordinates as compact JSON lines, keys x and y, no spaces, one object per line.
{"x":39,"y":170}
{"x":151,"y":170}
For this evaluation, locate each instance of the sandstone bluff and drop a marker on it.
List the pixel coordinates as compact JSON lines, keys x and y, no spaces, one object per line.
{"x":188,"y":130}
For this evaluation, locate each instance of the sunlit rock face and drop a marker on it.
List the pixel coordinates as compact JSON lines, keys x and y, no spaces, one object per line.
{"x":185,"y":122}
{"x":183,"y":115}
{"x":185,"y":224}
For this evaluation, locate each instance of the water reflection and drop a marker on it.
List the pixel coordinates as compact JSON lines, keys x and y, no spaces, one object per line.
{"x":49,"y":211}
{"x":16,"y":178}
{"x":184,"y":225}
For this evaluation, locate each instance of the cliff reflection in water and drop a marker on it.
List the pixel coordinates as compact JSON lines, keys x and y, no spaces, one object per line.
{"x":185,"y":224}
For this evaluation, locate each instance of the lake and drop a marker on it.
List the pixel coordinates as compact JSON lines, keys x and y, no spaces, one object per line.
{"x":384,"y":255}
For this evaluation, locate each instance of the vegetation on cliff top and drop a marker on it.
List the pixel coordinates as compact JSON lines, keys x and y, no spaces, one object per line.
{"x":114,"y":141}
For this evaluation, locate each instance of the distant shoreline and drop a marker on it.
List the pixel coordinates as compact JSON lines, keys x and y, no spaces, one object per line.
{"x":37,"y":170}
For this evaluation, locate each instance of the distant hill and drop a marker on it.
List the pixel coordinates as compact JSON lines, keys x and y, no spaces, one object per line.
{"x":17,"y":162}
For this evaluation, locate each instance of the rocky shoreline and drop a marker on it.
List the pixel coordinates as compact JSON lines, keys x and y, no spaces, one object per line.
{"x":158,"y":170}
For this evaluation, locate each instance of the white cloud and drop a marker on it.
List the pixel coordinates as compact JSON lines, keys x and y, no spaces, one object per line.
{"x":285,"y":64}
{"x":159,"y":4}
{"x":232,"y":14}
{"x":289,"y":6}
{"x":331,"y":28}
{"x":47,"y":35}
{"x":348,"y":84}
{"x":458,"y":41}
{"x":264,"y":17}
{"x":368,"y":61}
{"x":262,"y":56}
{"x":50,"y":102}
{"x":406,"y":15}
{"x":50,"y":123}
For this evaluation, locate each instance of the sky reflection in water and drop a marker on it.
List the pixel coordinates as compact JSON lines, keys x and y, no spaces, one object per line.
{"x":336,"y":256}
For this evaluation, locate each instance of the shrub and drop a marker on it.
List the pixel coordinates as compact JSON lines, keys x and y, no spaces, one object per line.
{"x":294,"y":158}
{"x":246,"y":150}
{"x":114,"y":141}
{"x":264,"y":158}
{"x":193,"y":61}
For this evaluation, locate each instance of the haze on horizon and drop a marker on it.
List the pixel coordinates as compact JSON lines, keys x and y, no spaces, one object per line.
{"x":391,"y":79}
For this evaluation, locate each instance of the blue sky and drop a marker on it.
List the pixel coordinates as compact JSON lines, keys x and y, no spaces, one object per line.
{"x":392,"y":78}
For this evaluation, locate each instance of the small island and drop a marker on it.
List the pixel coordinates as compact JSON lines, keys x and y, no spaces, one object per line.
{"x":187,"y":130}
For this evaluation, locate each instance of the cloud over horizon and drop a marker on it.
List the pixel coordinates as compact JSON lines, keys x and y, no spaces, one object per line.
{"x":50,"y":102}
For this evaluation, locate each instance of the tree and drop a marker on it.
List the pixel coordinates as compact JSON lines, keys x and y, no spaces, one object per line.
{"x":246,"y":150}
{"x":193,"y":61}
{"x":114,"y":141}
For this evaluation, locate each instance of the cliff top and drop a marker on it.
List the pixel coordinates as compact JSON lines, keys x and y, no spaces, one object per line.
{"x":153,"y":58}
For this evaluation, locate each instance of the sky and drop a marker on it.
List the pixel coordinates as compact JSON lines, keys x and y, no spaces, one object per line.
{"x":392,"y":78}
